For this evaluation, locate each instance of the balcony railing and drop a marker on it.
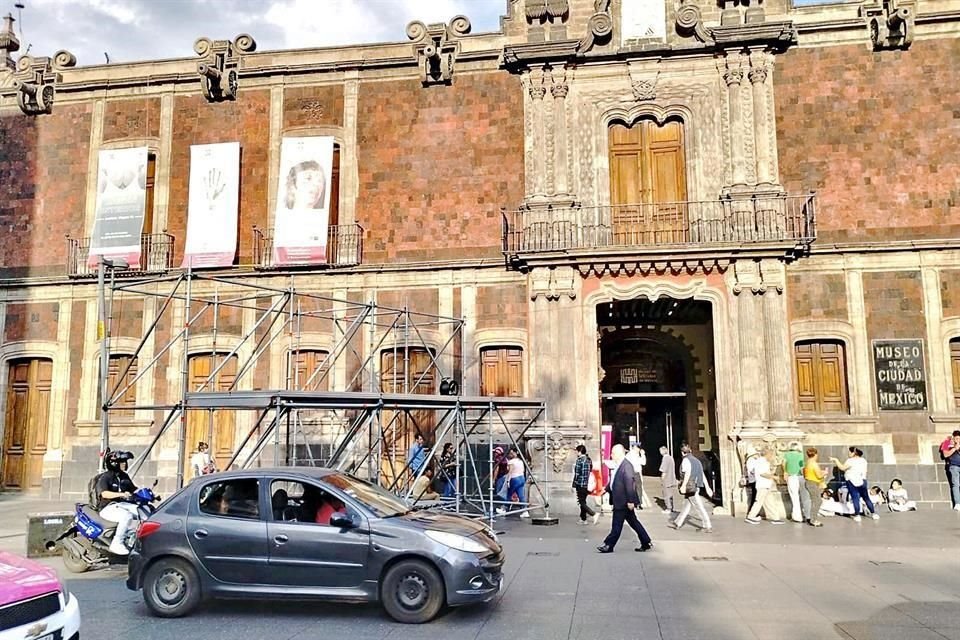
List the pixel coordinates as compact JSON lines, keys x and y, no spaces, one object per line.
{"x":344,"y":246}
{"x":736,"y":221}
{"x":156,"y":256}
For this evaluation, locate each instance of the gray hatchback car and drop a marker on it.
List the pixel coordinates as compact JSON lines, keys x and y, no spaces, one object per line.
{"x":309,"y":533}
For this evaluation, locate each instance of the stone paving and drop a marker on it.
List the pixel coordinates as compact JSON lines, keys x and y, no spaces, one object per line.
{"x":893,"y":578}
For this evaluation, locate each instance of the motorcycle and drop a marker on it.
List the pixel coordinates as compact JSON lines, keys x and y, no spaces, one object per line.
{"x":86,"y":543}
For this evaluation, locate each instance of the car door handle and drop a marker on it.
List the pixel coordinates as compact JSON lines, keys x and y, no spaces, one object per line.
{"x":280,"y":539}
{"x":200,"y":534}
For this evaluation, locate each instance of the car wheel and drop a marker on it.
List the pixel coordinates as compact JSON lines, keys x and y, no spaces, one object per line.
{"x":73,"y":562}
{"x":412,"y":592}
{"x":171,"y":588}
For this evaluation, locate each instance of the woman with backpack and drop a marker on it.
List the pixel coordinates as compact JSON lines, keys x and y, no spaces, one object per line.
{"x":582,"y":475}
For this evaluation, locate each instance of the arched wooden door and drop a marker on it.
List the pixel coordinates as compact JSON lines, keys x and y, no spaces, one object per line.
{"x":648,"y":186}
{"x":217,"y":428}
{"x":26,"y":424}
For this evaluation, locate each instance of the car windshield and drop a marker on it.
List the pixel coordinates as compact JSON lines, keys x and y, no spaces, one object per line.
{"x":378,"y":500}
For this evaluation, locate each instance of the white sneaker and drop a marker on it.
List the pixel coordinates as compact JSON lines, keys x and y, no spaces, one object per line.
{"x":524,"y":515}
{"x":119,"y":550}
{"x":501,"y":510}
{"x":596,"y":518}
{"x":857,"y":518}
{"x":957,"y":508}
{"x":666,"y":512}
{"x":875,"y":516}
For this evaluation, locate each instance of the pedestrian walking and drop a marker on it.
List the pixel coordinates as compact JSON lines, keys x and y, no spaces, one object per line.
{"x":516,"y":481}
{"x":448,"y":470}
{"x":793,"y":472}
{"x":582,"y":472}
{"x":691,"y":470}
{"x":417,"y":455}
{"x":638,"y":458}
{"x":855,"y":477}
{"x":767,"y":495}
{"x":814,"y":482}
{"x":668,"y":480}
{"x":950,"y":452}
{"x":749,"y":480}
{"x":624,"y":500}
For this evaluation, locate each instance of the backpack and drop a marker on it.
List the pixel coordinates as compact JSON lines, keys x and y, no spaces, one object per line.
{"x":591,"y":482}
{"x":92,"y":496}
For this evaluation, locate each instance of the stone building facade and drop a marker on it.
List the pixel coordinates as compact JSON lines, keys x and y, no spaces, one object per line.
{"x":691,"y":221}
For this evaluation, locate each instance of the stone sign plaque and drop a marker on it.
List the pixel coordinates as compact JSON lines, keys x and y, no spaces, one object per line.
{"x":900,"y":375}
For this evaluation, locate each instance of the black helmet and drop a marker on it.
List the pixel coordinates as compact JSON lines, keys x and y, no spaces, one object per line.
{"x":115,"y":458}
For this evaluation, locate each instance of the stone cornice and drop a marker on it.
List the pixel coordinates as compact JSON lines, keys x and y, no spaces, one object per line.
{"x":778,"y":34}
{"x":523,"y":54}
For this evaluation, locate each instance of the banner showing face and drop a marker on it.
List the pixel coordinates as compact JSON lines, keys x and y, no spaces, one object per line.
{"x":303,"y":201}
{"x":213,"y":204}
{"x":643,"y":19}
{"x":121,"y":199}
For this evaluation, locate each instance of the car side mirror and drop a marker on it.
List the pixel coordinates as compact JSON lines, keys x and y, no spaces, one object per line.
{"x":342,"y":521}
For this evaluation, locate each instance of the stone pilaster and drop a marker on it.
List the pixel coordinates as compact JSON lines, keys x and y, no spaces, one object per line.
{"x":940,"y":383}
{"x":761,"y":67}
{"x":538,"y":91}
{"x":471,"y":357}
{"x":733,"y":77}
{"x":276,"y":135}
{"x":861,"y":392}
{"x":776,"y":342}
{"x":747,"y":287}
{"x":349,"y":168}
{"x":339,"y":374}
{"x":559,"y":91}
{"x":161,"y":205}
{"x":93,"y":158}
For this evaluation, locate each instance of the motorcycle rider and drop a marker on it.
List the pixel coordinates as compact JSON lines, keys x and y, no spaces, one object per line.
{"x":114,"y":487}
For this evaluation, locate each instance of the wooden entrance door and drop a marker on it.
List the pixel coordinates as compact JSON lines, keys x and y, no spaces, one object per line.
{"x":27,"y":420}
{"x":217,"y":428}
{"x":648,"y":186}
{"x":400,"y":428}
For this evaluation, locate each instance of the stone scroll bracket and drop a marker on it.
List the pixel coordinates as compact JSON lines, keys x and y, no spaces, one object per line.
{"x":890,"y":23}
{"x":599,"y":27}
{"x":758,"y":277}
{"x":219,"y":69}
{"x":436,"y":47}
{"x":553,"y":284}
{"x":35,"y":81}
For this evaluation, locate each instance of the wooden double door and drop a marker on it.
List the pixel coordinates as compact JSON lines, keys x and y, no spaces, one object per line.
{"x":26,"y":422}
{"x":218,"y":428}
{"x":412,"y":373}
{"x":648,"y":186}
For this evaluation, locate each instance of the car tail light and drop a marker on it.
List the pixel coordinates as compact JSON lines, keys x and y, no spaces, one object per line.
{"x":146,"y":528}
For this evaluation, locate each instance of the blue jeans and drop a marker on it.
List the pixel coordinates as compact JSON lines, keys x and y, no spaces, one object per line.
{"x":953,"y":473}
{"x":449,"y":489}
{"x":516,"y":487}
{"x":498,"y":488}
{"x":856,"y":493}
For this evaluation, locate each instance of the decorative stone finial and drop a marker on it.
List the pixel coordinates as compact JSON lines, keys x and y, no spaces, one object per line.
{"x":219,"y":69}
{"x":891,"y":23}
{"x":436,"y":47}
{"x":35,"y":80}
{"x":8,"y":43}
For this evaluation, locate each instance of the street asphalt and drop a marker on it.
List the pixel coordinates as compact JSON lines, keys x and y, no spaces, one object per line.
{"x":896,"y":578}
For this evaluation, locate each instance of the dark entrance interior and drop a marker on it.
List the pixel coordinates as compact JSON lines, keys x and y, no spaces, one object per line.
{"x":657,"y":374}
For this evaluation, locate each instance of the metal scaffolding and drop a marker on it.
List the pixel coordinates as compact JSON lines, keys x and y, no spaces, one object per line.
{"x":372,"y":414}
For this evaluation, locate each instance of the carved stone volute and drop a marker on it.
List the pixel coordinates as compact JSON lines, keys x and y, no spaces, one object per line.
{"x":35,"y":80}
{"x":220,"y":65}
{"x":599,"y":27}
{"x":436,"y":47}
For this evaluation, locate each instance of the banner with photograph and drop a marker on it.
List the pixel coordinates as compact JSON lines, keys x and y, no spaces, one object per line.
{"x":303,"y":201}
{"x":212,"y":205}
{"x":121,"y":200}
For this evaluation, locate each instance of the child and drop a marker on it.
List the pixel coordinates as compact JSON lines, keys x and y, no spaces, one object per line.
{"x":876,"y":495}
{"x":828,"y":505}
{"x":897,"y":498}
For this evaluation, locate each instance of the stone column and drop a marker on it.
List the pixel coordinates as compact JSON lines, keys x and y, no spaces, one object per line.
{"x":733,"y":76}
{"x":538,"y":90}
{"x":939,"y":377}
{"x":776,"y":342}
{"x":750,"y":338}
{"x":859,"y":353}
{"x":559,"y":91}
{"x":759,"y":73}
{"x":164,"y":165}
{"x":93,"y":169}
{"x":471,"y":357}
{"x":276,"y":136}
{"x":349,"y":167}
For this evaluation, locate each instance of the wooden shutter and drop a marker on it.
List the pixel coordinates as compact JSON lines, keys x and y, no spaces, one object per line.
{"x":305,"y":365}
{"x":151,"y":180}
{"x":216,"y":428}
{"x":116,"y":367}
{"x":27,"y":422}
{"x":821,"y":377}
{"x":501,"y":372}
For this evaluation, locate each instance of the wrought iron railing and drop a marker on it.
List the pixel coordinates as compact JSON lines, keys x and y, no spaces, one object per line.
{"x":344,"y":246}
{"x":156,"y":256}
{"x":726,"y":221}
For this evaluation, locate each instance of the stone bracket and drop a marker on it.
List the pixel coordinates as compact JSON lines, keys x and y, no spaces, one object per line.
{"x":599,"y":27}
{"x":553,"y":284}
{"x":35,"y":81}
{"x":436,"y":47}
{"x":690,"y":22}
{"x":643,"y":83}
{"x":753,"y":275}
{"x":219,"y":70}
{"x":890,"y":23}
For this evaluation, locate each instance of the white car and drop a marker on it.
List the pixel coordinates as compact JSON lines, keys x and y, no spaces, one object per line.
{"x":34,"y":604}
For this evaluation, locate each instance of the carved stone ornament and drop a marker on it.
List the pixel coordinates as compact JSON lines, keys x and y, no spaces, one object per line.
{"x":557,"y":449}
{"x":599,"y":26}
{"x":8,"y":44}
{"x":690,"y":22}
{"x":759,"y":279}
{"x":436,"y":48}
{"x":553,"y":284}
{"x":891,"y":24}
{"x":220,"y":66}
{"x":547,"y":10}
{"x":35,"y":81}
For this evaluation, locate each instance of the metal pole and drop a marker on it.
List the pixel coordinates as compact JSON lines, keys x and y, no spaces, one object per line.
{"x":185,"y":378}
{"x":104,"y":354}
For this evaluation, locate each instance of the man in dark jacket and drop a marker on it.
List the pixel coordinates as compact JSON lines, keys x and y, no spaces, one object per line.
{"x":624,"y":499}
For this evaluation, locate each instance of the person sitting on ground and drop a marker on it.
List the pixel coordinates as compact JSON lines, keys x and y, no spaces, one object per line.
{"x":829,"y":506}
{"x":876,"y":495}
{"x":897,"y":498}
{"x":421,"y":487}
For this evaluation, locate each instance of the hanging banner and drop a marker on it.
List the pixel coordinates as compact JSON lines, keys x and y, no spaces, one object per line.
{"x":303,"y":201}
{"x":121,"y":200}
{"x":213,"y":204}
{"x":643,"y":20}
